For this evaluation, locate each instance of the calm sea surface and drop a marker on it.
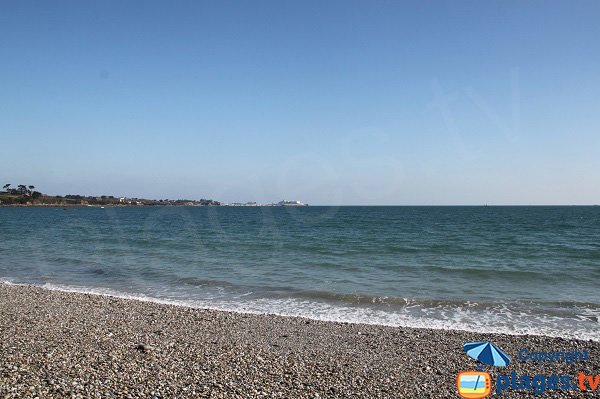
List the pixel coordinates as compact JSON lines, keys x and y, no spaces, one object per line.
{"x":497,"y":269}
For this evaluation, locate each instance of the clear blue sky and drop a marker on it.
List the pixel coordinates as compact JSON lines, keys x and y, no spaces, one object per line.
{"x":336,"y":102}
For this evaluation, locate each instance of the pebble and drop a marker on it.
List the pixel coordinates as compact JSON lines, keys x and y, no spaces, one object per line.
{"x":50,"y":349}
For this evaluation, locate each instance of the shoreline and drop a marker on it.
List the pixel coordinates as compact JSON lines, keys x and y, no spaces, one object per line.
{"x":58,"y":343}
{"x":178,"y":303}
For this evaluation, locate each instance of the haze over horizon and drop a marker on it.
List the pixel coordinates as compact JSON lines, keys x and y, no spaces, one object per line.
{"x":387,"y":103}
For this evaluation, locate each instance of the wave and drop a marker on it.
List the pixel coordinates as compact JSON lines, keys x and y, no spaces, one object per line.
{"x":432,"y":303}
{"x":467,"y":316}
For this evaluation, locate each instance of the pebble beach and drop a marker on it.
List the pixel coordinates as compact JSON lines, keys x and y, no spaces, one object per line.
{"x":57,"y":344}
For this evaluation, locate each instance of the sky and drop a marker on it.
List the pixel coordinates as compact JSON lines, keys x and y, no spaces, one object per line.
{"x":326,"y":102}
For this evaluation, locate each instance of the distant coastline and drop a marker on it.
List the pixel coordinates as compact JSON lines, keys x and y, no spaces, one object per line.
{"x":25,"y":196}
{"x":42,"y":200}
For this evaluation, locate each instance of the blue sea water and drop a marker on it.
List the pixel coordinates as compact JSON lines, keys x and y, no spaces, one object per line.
{"x":493,"y":269}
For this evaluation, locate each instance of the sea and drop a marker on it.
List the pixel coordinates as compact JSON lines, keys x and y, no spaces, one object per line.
{"x":514,"y":269}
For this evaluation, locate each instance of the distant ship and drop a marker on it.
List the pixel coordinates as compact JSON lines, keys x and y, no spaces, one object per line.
{"x":290,"y":203}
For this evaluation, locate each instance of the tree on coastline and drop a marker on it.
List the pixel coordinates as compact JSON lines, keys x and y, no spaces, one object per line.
{"x":22,"y":189}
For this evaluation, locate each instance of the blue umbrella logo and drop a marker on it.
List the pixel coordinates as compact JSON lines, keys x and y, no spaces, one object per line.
{"x":486,"y":352}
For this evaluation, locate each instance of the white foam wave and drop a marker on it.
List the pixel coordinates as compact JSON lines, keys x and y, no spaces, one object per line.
{"x":498,"y":320}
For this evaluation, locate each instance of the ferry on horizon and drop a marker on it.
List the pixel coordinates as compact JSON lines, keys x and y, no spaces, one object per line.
{"x":290,"y":203}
